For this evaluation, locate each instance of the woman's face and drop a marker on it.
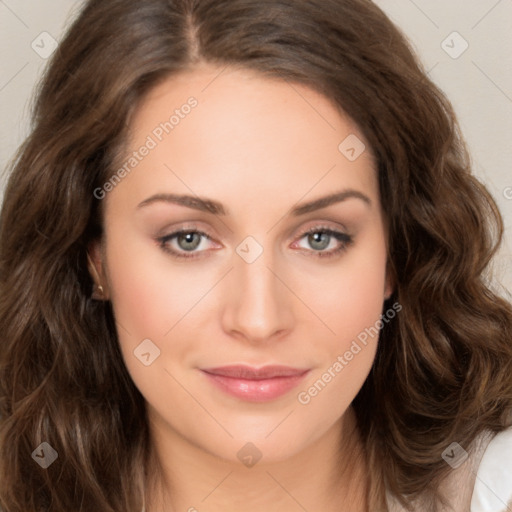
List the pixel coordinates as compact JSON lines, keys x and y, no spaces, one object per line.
{"x":243,"y":166}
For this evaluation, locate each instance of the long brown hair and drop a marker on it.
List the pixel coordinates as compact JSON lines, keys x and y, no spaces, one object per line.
{"x":443,"y":367}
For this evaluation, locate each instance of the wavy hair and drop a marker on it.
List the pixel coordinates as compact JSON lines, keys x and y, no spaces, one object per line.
{"x":443,"y":368}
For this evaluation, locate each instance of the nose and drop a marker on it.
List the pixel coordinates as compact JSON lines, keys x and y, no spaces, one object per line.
{"x":257,"y":306}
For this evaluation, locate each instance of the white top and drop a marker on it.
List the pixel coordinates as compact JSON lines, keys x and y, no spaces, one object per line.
{"x":493,"y":486}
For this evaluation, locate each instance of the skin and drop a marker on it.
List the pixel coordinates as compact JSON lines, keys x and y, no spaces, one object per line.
{"x":259,"y":147}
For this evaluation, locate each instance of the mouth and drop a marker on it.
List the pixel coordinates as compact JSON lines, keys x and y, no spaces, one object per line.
{"x":255,"y":384}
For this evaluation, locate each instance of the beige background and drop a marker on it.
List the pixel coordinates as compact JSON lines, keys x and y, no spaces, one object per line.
{"x":478,"y":82}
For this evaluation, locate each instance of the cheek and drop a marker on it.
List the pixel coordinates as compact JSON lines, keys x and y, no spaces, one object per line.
{"x":149,"y":295}
{"x":150,"y":301}
{"x":349,"y":297}
{"x":351,"y":304}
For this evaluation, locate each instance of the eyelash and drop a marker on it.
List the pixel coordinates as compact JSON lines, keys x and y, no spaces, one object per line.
{"x":344,"y":239}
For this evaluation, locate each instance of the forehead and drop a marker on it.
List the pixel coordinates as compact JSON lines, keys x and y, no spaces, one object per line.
{"x":247,"y":134}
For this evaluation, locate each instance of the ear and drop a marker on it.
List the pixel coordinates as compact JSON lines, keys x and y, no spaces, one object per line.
{"x":95,"y":265}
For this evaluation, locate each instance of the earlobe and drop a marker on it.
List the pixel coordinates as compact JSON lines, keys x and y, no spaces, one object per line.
{"x":388,"y":290}
{"x":389,"y":287}
{"x":94,"y":265}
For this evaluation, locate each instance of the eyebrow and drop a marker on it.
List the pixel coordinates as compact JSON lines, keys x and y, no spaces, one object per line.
{"x":210,"y":206}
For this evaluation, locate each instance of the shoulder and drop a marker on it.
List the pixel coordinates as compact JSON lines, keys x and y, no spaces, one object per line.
{"x":493,"y":485}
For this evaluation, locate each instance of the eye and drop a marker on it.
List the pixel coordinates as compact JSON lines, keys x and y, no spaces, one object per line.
{"x":320,"y":238}
{"x":183,"y":243}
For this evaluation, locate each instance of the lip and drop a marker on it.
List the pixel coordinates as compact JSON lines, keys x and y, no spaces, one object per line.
{"x":255,"y":384}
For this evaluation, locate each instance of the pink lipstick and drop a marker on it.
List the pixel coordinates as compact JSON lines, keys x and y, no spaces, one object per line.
{"x":255,"y":384}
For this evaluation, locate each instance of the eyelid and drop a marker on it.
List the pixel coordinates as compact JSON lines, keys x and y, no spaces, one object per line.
{"x":170,"y":229}
{"x":322,"y":225}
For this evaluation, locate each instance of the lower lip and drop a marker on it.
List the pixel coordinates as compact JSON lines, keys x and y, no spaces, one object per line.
{"x":252,"y":390}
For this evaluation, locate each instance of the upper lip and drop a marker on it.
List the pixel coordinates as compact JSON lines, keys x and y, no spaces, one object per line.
{"x":253,"y":373}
